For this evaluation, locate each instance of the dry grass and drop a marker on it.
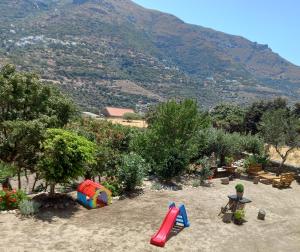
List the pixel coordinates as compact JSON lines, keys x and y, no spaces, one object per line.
{"x":131,"y":123}
{"x":293,"y":157}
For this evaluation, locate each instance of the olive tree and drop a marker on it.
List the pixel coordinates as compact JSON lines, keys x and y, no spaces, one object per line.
{"x":280,"y":129}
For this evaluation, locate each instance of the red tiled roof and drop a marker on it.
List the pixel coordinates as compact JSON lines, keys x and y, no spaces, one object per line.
{"x":117,"y":112}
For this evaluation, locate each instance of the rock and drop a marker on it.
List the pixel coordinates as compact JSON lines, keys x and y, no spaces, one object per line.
{"x":67,"y":204}
{"x":261,"y":214}
{"x":225,"y":181}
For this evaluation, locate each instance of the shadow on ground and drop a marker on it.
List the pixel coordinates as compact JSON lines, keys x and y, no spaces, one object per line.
{"x":56,"y":206}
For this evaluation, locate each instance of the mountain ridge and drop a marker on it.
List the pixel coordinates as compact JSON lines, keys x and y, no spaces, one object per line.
{"x":95,"y":48}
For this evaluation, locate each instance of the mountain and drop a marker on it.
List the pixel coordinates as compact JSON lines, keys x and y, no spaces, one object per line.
{"x":115,"y":52}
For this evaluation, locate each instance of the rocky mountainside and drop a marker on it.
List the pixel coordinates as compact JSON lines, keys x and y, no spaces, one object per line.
{"x":115,"y":52}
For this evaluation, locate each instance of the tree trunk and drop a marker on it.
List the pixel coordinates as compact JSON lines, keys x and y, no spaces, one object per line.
{"x":46,"y":186}
{"x":52,"y":189}
{"x":222,"y":160}
{"x":19,"y":179}
{"x":34,"y":182}
{"x":27,"y":180}
{"x":99,"y":178}
{"x":279,"y":170}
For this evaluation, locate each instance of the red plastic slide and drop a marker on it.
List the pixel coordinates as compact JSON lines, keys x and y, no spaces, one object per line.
{"x":160,"y":238}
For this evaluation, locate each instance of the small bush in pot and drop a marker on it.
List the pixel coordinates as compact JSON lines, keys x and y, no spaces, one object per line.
{"x":239,"y":216}
{"x":239,"y":190}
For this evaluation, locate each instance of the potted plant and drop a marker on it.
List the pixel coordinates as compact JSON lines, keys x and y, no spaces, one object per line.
{"x":239,"y":216}
{"x":239,"y":190}
{"x":229,"y":161}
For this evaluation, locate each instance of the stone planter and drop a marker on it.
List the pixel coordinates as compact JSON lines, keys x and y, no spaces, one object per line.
{"x":225,"y":181}
{"x":255,"y":180}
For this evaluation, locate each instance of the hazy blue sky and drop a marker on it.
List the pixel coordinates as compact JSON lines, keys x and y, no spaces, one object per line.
{"x":272,"y":22}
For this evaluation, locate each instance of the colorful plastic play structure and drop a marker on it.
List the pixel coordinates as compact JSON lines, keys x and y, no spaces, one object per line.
{"x":175,"y":217}
{"x":93,"y":195}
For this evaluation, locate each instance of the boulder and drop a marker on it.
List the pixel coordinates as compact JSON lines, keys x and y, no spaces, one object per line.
{"x":261,"y":214}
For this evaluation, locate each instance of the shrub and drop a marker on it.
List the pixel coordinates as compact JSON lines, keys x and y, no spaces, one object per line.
{"x":156,"y":186}
{"x":239,"y":188}
{"x":239,"y":214}
{"x":65,"y":155}
{"x":205,"y":171}
{"x":132,"y":116}
{"x":28,"y":207}
{"x":255,"y":159}
{"x":10,"y":199}
{"x":114,"y":187}
{"x":229,"y":160}
{"x":131,"y":171}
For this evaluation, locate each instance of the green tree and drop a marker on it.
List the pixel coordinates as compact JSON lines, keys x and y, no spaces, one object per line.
{"x":280,"y":129}
{"x":65,"y":155}
{"x":168,"y":144}
{"x":27,"y":108}
{"x":255,"y":112}
{"x":228,"y":117}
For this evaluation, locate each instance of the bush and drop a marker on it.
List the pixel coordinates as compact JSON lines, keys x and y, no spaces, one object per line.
{"x":114,"y":187}
{"x":239,"y":188}
{"x":131,"y":171}
{"x":156,"y":186}
{"x":10,"y":199}
{"x":239,"y":214}
{"x":132,"y":116}
{"x":256,"y":159}
{"x":205,"y":171}
{"x":28,"y":207}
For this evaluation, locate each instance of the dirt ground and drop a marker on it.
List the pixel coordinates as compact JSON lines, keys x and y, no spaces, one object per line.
{"x":128,"y":224}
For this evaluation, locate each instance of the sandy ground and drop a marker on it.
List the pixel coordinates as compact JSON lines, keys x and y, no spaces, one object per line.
{"x":128,"y":224}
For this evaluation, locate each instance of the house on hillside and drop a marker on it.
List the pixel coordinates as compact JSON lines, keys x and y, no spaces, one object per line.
{"x":116,"y":112}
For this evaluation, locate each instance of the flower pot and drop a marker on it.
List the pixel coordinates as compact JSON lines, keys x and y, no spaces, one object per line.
{"x":238,"y":221}
{"x":240,"y":194}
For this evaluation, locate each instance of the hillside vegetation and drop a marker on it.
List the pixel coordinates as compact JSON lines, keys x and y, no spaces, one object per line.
{"x":118,"y":53}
